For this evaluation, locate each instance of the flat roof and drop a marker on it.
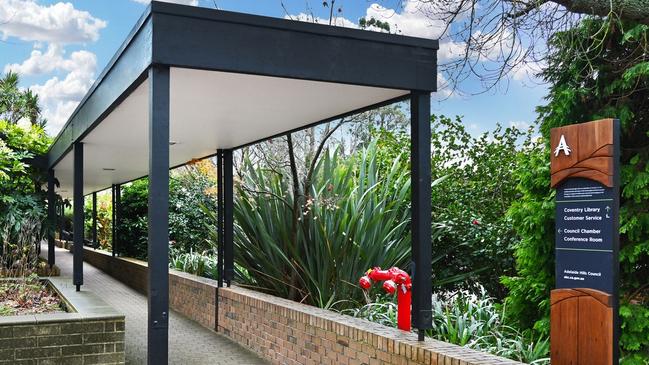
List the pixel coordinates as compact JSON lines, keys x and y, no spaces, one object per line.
{"x":235,"y":79}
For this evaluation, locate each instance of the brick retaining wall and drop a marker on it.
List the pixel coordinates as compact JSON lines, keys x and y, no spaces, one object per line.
{"x":94,"y":334}
{"x":286,"y":332}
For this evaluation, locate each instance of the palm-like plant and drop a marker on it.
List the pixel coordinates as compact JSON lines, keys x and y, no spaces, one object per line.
{"x":16,"y":104}
{"x":355,"y":216}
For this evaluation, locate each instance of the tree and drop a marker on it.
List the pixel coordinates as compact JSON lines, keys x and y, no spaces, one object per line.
{"x":607,"y":81}
{"x":16,"y":104}
{"x":22,"y":198}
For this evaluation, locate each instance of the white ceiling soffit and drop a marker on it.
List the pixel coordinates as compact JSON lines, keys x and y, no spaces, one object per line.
{"x":209,"y":110}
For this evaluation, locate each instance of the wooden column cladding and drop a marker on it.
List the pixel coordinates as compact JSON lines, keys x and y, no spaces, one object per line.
{"x":592,"y":152}
{"x":581,"y":327}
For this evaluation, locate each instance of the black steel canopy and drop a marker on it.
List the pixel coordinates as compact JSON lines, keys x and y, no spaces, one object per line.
{"x":206,"y":39}
{"x":207,"y":82}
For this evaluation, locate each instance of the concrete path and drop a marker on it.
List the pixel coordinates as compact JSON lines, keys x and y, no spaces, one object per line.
{"x":189,"y":342}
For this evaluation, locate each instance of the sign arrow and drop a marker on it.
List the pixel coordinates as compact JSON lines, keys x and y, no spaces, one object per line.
{"x":608,"y":208}
{"x":559,"y":230}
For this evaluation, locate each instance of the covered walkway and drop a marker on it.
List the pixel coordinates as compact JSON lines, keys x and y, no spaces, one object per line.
{"x":189,"y":343}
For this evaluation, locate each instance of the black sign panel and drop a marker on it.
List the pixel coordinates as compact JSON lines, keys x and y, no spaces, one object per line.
{"x":585,"y":239}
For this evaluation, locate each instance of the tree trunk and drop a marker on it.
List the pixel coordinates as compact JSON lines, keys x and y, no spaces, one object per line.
{"x":635,"y":10}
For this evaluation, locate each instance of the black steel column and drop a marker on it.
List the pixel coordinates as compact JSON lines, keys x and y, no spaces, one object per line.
{"x":219,"y":207}
{"x":228,"y":217}
{"x":60,"y":219}
{"x":118,"y":218}
{"x":158,"y":215}
{"x":421,"y":211}
{"x":95,"y":244}
{"x":113,"y":222}
{"x":78,"y":221}
{"x":51,"y":217}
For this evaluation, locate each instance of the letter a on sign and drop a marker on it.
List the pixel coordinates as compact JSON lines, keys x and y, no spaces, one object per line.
{"x":563,"y":146}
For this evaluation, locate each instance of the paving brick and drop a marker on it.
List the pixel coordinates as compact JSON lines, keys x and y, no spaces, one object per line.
{"x":189,"y":342}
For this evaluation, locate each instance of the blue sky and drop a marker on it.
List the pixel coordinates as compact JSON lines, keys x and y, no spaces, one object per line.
{"x":61,"y":47}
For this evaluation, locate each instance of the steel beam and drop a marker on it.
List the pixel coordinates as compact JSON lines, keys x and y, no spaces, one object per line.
{"x":228,"y":217}
{"x":421,"y":211}
{"x":51,"y":217}
{"x":95,"y":243}
{"x":78,"y":220}
{"x":158,"y":216}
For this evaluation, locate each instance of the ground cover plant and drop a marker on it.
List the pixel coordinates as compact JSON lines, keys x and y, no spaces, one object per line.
{"x":467,"y":318}
{"x":27,"y":295}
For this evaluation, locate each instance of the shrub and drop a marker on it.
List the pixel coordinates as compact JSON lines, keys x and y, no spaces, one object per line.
{"x":468,"y":319}
{"x":609,"y":81}
{"x":200,"y":264}
{"x":478,"y":189}
{"x":22,"y":200}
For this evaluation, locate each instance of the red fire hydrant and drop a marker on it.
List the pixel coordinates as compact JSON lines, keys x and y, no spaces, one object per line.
{"x":397,"y":280}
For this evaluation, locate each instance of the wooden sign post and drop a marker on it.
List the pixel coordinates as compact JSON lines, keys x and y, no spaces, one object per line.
{"x":584,"y":305}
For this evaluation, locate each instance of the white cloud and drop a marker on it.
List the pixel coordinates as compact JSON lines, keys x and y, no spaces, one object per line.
{"x":527,"y":71}
{"x":444,"y":90}
{"x":414,"y":20}
{"x":183,"y":2}
{"x":59,"y":96}
{"x":449,"y":50}
{"x":338,"y":21}
{"x":520,"y":125}
{"x":58,"y":23}
{"x":52,"y":60}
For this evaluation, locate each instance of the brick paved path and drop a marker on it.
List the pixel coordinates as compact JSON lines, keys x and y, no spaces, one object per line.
{"x":189,"y":342}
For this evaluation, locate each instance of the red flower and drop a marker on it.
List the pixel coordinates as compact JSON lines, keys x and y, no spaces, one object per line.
{"x":475,"y":222}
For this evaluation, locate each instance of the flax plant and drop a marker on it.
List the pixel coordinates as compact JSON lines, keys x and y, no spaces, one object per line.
{"x":355,"y":216}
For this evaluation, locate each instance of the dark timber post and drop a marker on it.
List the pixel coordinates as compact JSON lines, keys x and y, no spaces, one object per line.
{"x":51,"y":216}
{"x":219,"y":208}
{"x":158,"y":216}
{"x":78,"y":226}
{"x":95,"y":244}
{"x":421,"y":211}
{"x":228,"y":217}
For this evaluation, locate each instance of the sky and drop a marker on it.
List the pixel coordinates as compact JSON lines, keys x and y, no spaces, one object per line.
{"x":59,"y":48}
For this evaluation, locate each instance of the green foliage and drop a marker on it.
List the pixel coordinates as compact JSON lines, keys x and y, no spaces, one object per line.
{"x":17,"y":104}
{"x":104,"y":220}
{"x":354,"y":218}
{"x":201,"y":264}
{"x":131,"y":227}
{"x":467,"y":318}
{"x":478,"y":189}
{"x":22,"y":200}
{"x":597,"y":70}
{"x":188,"y":191}
{"x":372,"y":22}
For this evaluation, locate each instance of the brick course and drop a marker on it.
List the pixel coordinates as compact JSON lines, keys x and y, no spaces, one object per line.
{"x":286,"y":332}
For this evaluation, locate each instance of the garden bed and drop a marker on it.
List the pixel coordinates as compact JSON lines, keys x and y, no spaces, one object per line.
{"x":89,"y":332}
{"x":28,"y":296}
